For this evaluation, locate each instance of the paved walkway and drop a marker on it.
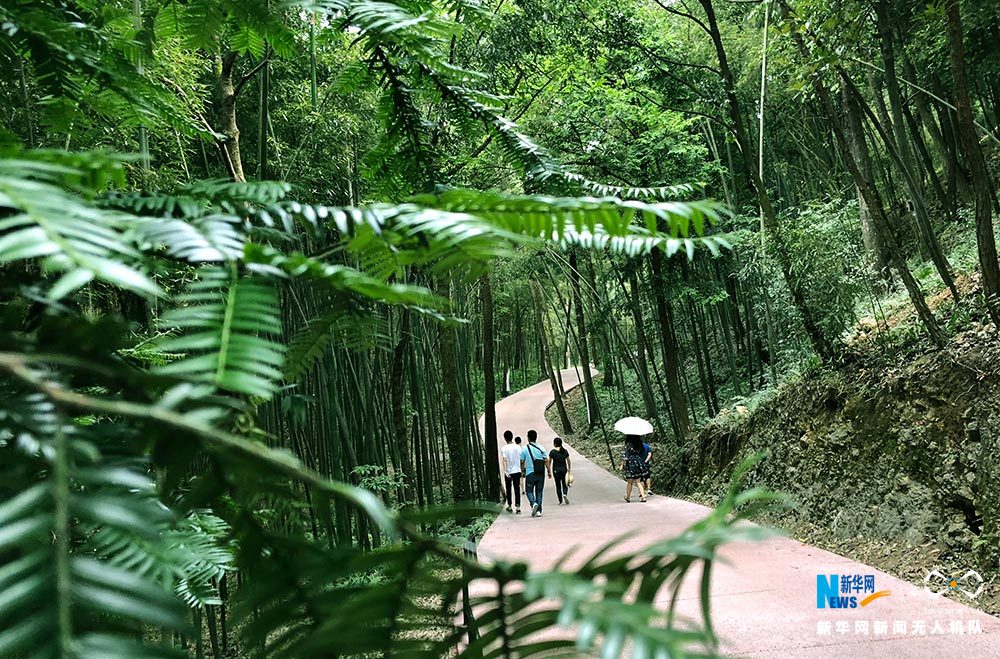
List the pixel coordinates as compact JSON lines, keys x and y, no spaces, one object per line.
{"x":763,"y":594}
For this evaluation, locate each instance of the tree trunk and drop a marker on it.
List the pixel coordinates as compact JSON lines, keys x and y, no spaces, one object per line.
{"x":925,"y":158}
{"x":855,"y":134}
{"x":770,"y":219}
{"x":397,"y":387}
{"x":640,"y":341}
{"x":490,"y":393}
{"x":868,"y":190}
{"x":455,"y":430}
{"x":593,"y":409}
{"x":949,"y":129}
{"x":264,"y":112}
{"x":230,"y":148}
{"x":678,"y":404}
{"x":985,"y":238}
{"x":927,"y":234}
{"x":543,"y":332}
{"x":892,"y":84}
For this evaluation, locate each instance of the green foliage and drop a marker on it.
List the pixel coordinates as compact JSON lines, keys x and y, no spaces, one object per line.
{"x":223,"y":328}
{"x":827,"y":252}
{"x":374,"y":478}
{"x":68,"y":235}
{"x":225,"y":322}
{"x":187,"y":360}
{"x":58,"y":484}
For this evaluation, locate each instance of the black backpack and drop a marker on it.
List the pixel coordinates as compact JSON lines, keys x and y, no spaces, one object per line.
{"x":537,"y":465}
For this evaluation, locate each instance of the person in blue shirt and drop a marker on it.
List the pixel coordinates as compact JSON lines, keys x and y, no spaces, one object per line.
{"x":534,"y":464}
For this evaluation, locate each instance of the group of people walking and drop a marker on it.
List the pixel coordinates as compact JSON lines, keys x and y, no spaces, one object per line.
{"x":526,"y":465}
{"x":532,"y":462}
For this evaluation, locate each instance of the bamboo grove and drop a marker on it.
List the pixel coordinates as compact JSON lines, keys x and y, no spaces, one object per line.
{"x":265,"y":265}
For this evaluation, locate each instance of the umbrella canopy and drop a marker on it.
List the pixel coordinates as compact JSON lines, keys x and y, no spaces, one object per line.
{"x":633,"y":425}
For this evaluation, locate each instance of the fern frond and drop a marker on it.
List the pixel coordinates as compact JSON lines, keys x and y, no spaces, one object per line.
{"x":208,"y":239}
{"x":67,"y":234}
{"x":224,"y":322}
{"x":343,"y":278}
{"x":201,"y":197}
{"x":54,"y":599}
{"x":185,"y":558}
{"x":341,"y":327}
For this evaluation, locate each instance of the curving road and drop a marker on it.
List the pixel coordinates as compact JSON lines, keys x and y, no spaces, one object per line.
{"x":763,"y":594}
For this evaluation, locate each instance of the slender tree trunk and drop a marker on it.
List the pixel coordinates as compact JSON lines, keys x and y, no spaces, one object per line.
{"x":770,"y":219}
{"x":593,"y":409}
{"x":703,"y":330}
{"x":670,"y":359}
{"x":490,"y":393}
{"x":928,"y":163}
{"x":920,"y":210}
{"x":143,"y":133}
{"x":641,"y":344}
{"x":904,"y":154}
{"x":264,"y":116}
{"x":868,"y":190}
{"x":313,"y":97}
{"x":949,"y":129}
{"x":397,"y":388}
{"x":230,"y":148}
{"x":455,"y":431}
{"x":927,"y":118}
{"x":898,"y":126}
{"x":567,"y":427}
{"x":985,"y":237}
{"x":855,"y":133}
{"x":26,"y":99}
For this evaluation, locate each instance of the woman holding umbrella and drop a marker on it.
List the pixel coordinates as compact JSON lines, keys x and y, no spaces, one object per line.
{"x":634,"y":463}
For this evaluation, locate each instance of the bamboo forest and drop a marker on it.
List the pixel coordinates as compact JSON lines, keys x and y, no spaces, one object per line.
{"x":499,"y":328}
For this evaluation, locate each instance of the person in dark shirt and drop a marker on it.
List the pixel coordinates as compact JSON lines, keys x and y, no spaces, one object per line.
{"x":561,"y":466}
{"x":634,"y":466}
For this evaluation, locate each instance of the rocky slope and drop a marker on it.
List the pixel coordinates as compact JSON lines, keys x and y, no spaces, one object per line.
{"x":891,"y":458}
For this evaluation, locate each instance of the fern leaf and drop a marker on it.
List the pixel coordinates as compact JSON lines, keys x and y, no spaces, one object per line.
{"x":343,"y":328}
{"x":225,"y":322}
{"x":208,"y":239}
{"x":65,"y":233}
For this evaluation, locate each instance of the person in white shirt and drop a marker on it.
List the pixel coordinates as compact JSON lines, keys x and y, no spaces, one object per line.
{"x":511,"y":454}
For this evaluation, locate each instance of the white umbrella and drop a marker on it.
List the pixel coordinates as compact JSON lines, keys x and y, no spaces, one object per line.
{"x":633,"y":425}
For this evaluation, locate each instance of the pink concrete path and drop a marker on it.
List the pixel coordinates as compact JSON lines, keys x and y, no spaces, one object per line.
{"x":763,"y":594}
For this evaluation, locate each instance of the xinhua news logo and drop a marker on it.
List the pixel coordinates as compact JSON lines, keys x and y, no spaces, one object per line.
{"x":969,"y":584}
{"x":847,"y":591}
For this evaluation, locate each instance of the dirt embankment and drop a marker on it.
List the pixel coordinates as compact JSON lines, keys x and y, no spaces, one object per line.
{"x":893,"y":461}
{"x":892,"y":458}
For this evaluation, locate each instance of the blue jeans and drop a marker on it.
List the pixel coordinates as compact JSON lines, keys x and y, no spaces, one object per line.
{"x":535,"y":484}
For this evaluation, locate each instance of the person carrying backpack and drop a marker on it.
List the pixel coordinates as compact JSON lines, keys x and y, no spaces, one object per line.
{"x":534,"y":463}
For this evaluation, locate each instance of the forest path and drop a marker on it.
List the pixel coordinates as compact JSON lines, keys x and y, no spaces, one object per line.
{"x":763,"y":594}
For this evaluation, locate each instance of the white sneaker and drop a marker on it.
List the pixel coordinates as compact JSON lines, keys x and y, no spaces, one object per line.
{"x":534,"y":510}
{"x":539,"y":513}
{"x":565,"y":499}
